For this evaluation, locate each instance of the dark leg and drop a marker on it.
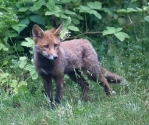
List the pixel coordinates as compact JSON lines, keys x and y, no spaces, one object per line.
{"x":105,"y":84}
{"x":102,"y":80}
{"x":94,"y":73}
{"x":47,"y":81}
{"x":59,"y":80}
{"x":76,"y":77}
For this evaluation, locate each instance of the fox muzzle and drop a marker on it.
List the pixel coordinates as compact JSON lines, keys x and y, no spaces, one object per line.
{"x":52,"y":57}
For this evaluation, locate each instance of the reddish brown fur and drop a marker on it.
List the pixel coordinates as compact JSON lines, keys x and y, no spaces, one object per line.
{"x":53,"y":59}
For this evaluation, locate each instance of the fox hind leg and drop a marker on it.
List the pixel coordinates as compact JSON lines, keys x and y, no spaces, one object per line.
{"x":101,"y":80}
{"x":77,"y":77}
{"x":104,"y":83}
{"x":94,"y":72}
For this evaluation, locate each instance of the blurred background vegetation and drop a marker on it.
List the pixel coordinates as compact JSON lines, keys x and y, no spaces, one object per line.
{"x":118,"y":30}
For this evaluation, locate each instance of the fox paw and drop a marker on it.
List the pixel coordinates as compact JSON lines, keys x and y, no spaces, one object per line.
{"x":113,"y":92}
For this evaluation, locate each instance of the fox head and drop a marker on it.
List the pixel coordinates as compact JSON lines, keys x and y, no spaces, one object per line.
{"x":47,"y":42}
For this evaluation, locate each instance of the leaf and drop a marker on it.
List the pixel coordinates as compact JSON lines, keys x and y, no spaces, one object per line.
{"x":121,"y":36}
{"x":13,"y":35}
{"x":18,"y":26}
{"x":94,"y":5}
{"x":28,"y":43}
{"x":23,"y":62}
{"x":139,"y":9}
{"x":69,"y":12}
{"x":50,"y":4}
{"x":22,"y":58}
{"x":31,"y":68}
{"x":129,"y":10}
{"x":118,"y":29}
{"x":84,"y":9}
{"x":74,"y":28}
{"x":14,"y":83}
{"x":3,"y":47}
{"x":51,"y":13}
{"x":34,"y":74}
{"x":65,"y":1}
{"x":146,"y":18}
{"x":65,"y":27}
{"x":75,"y":21}
{"x":15,"y":27}
{"x":107,"y":11}
{"x":110,"y":30}
{"x":90,"y":11}
{"x":5,"y":62}
{"x":37,"y":5}
{"x":95,"y":13}
{"x":4,"y":75}
{"x":23,"y":9}
{"x":122,"y":11}
{"x":10,"y":34}
{"x":145,"y":8}
{"x":22,"y":83}
{"x":25,"y":22}
{"x":22,"y":87}
{"x":37,"y":19}
{"x":64,"y":16}
{"x":67,"y":22}
{"x":57,"y":12}
{"x":80,"y":17}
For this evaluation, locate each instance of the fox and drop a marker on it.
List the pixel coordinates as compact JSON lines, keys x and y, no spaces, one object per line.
{"x":54,"y":58}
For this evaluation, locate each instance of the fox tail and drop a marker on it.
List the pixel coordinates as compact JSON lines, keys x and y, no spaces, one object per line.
{"x":112,"y":77}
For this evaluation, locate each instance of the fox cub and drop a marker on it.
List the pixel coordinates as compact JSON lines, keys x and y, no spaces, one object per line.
{"x":53,"y":59}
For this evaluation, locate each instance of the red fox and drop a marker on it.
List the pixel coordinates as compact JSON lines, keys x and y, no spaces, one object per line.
{"x":53,"y":59}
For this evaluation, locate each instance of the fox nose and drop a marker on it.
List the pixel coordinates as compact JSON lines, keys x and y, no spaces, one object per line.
{"x":55,"y":57}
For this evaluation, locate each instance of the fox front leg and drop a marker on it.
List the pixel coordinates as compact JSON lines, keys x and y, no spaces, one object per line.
{"x":47,"y":82}
{"x":59,"y":88}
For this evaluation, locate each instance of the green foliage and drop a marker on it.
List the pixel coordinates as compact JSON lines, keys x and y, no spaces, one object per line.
{"x":91,"y":8}
{"x":116,"y":31}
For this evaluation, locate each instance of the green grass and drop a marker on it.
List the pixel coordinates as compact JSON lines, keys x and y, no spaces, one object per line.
{"x":130,"y":106}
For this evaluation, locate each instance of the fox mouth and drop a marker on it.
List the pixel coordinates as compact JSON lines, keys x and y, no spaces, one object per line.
{"x":49,"y":56}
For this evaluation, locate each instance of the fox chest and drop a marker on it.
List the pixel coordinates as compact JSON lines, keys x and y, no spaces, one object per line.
{"x":50,"y":70}
{"x":42,"y":70}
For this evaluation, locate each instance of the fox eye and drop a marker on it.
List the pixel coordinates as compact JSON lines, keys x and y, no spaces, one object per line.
{"x":55,"y":45}
{"x":46,"y":46}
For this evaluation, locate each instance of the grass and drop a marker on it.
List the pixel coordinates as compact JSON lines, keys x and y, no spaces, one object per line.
{"x":130,"y":106}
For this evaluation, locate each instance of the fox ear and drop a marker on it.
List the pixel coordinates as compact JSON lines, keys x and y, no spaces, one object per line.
{"x":58,"y":29}
{"x":37,"y":32}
